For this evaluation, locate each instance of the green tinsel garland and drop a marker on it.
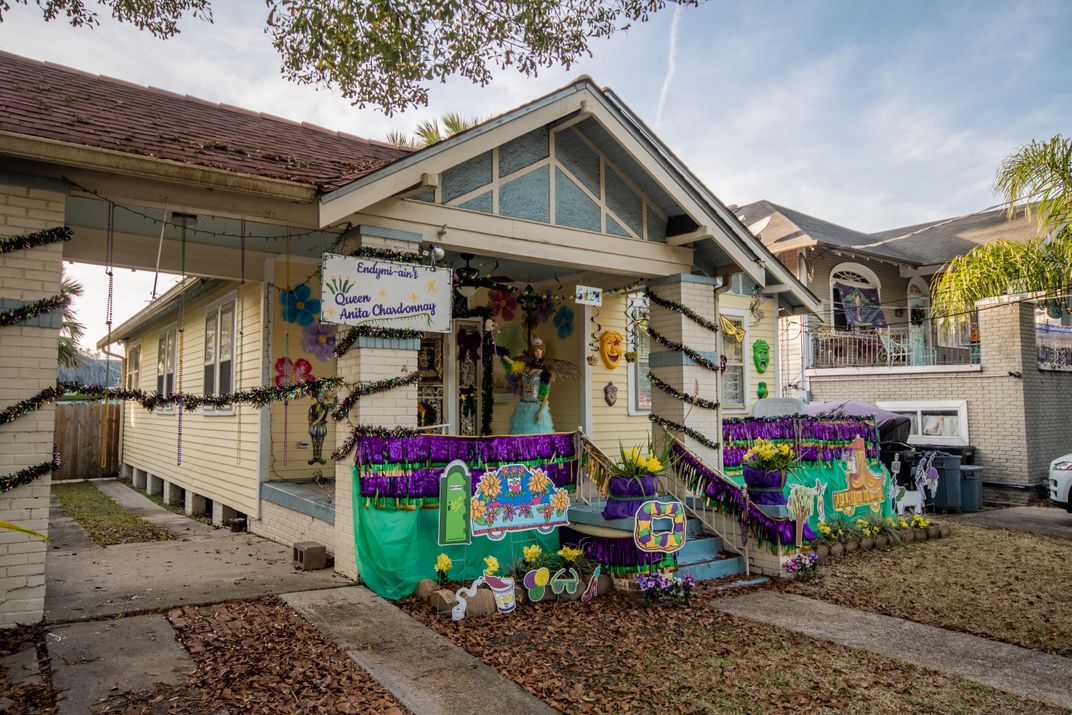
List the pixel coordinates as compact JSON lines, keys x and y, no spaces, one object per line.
{"x":35,"y":239}
{"x":14,"y":316}
{"x":373,"y":388}
{"x":671,"y":425}
{"x":370,"y":431}
{"x":674,"y":392}
{"x":387,"y":254}
{"x":692,"y":354}
{"x":29,"y":474}
{"x":343,"y":344}
{"x":682,"y":309}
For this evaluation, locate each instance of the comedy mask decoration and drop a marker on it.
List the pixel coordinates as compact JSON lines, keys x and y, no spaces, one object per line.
{"x":761,"y":355}
{"x":610,"y":348}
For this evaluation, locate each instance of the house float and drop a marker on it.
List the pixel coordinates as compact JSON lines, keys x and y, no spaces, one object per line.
{"x":397,"y":353}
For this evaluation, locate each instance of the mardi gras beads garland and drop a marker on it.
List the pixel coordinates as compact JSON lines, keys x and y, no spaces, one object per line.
{"x":343,"y":344}
{"x":692,"y":354}
{"x":11,"y":244}
{"x":671,"y":425}
{"x":684,"y":397}
{"x":681,"y":309}
{"x":14,"y":316}
{"x":373,"y":388}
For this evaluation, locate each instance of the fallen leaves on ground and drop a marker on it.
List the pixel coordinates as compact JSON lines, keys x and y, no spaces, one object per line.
{"x":1005,"y":585}
{"x":105,"y":521}
{"x":260,"y":656}
{"x":617,"y":655}
{"x":37,"y":698}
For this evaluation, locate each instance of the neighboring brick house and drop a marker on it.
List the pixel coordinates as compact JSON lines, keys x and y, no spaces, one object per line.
{"x":996,"y":380}
{"x":568,"y":189}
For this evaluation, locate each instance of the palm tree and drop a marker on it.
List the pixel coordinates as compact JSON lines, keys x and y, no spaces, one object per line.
{"x":71,"y":331}
{"x":429,"y":132}
{"x":1036,"y":177}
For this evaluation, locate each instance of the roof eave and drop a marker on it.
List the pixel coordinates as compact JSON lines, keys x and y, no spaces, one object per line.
{"x":51,"y":151}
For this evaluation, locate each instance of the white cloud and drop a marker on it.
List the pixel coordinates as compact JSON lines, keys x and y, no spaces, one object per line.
{"x":671,"y":68}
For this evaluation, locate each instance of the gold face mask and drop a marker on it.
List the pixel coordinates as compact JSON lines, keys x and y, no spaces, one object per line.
{"x":610,"y":348}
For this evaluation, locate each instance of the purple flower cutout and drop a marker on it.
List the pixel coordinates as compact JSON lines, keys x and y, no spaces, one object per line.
{"x":319,"y":340}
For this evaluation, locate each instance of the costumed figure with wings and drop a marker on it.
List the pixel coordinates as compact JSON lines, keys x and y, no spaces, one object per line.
{"x":534,"y":374}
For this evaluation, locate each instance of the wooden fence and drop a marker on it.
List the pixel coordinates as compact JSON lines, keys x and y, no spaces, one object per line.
{"x":82,"y":429}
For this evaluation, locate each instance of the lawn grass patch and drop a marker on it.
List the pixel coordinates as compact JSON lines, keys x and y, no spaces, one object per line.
{"x":615,"y":655}
{"x":106,"y":522}
{"x":1009,"y":586}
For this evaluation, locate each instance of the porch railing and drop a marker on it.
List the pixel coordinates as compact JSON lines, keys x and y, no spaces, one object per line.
{"x":883,"y":347}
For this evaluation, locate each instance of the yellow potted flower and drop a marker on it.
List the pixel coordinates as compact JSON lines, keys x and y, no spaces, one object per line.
{"x":636,"y":480}
{"x":764,"y":470}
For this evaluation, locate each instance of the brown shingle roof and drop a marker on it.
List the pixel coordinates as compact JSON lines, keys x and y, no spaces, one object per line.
{"x":50,"y":101}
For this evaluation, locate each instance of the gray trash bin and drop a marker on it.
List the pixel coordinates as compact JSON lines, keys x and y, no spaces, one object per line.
{"x":948,"y":496}
{"x":971,"y":489}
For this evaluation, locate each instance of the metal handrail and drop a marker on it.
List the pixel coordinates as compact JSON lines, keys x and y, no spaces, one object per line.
{"x":680,"y":491}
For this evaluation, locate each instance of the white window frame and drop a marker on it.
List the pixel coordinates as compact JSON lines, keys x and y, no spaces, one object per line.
{"x":870,"y":275}
{"x":742,"y":316}
{"x":921,"y":406}
{"x":633,"y":368}
{"x":133,"y":348}
{"x":173,"y":328}
{"x":217,"y":309}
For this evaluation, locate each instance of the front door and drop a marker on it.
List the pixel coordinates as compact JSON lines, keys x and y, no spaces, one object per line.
{"x":451,"y":367}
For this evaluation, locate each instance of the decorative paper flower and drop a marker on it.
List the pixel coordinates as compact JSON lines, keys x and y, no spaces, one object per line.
{"x":443,"y":563}
{"x":502,"y":302}
{"x":489,"y":485}
{"x":477,"y":509}
{"x":564,"y":321}
{"x":318,"y":340}
{"x":560,"y":501}
{"x":538,"y":482}
{"x":547,"y":510}
{"x":289,"y":373}
{"x":491,"y":564}
{"x":298,"y":305}
{"x":532,"y":553}
{"x":569,"y":554}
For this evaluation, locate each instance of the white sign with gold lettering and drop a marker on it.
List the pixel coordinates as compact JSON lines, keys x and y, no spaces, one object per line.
{"x":385,"y":294}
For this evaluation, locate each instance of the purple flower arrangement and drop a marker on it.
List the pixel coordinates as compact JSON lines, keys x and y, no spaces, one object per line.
{"x":661,"y":587}
{"x":802,"y":566}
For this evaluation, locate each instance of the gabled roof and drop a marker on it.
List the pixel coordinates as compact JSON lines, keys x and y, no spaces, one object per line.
{"x":931,"y":243}
{"x":49,"y":101}
{"x":720,"y":238}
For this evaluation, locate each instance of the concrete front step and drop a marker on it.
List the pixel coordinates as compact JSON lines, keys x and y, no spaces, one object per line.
{"x":700,"y":548}
{"x":725,"y":565}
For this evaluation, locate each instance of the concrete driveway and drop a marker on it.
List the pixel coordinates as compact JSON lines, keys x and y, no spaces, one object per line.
{"x":1035,"y":519}
{"x":85,"y":581}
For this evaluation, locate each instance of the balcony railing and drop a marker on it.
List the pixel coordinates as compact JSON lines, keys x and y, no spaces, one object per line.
{"x":883,"y":347}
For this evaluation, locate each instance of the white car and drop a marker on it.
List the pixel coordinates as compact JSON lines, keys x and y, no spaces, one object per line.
{"x":1061,"y":482}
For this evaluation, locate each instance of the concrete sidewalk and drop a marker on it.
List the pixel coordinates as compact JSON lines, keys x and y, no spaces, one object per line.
{"x":997,"y":665}
{"x":178,"y":525}
{"x":425,"y":671}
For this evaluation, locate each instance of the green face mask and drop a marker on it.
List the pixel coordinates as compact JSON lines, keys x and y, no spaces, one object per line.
{"x":761,"y":355}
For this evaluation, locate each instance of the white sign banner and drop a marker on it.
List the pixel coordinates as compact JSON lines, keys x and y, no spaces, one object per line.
{"x":586,"y":295}
{"x":369,"y":291}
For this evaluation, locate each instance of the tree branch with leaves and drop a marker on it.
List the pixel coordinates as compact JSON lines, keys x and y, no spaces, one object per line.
{"x":387,"y":54}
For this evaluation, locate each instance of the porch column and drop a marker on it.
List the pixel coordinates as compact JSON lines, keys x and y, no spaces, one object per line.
{"x":370,"y":359}
{"x":677,"y":369}
{"x":27,"y":366}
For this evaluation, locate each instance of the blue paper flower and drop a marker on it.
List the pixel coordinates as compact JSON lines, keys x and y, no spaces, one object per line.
{"x":298,"y":306}
{"x":564,"y":321}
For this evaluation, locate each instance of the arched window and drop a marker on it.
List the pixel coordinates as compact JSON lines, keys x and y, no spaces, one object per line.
{"x":855,"y":297}
{"x":919,"y":301}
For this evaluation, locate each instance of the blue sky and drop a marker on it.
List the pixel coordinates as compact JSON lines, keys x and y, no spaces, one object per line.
{"x":873,"y":115}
